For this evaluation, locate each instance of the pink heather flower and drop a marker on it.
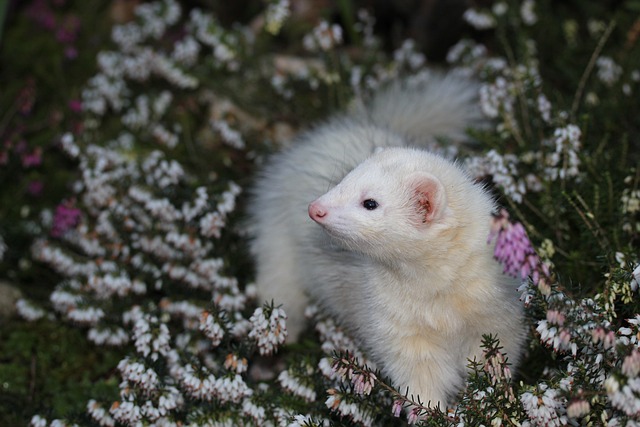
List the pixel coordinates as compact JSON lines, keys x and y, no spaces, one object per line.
{"x":396,"y":409}
{"x":363,"y":382}
{"x":35,"y":188}
{"x":414,"y":415}
{"x":32,"y":159}
{"x":65,"y":218}
{"x":578,"y":408}
{"x":75,"y":105}
{"x":513,"y":248}
{"x":40,"y":12}
{"x":67,"y":31}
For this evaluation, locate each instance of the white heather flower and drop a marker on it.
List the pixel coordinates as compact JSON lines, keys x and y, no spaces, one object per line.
{"x":211,"y":328}
{"x":323,"y":37}
{"x":38,"y":421}
{"x":151,"y":342}
{"x":300,"y":421}
{"x":337,"y":403}
{"x":69,"y":146}
{"x":166,"y":68}
{"x":563,"y":161}
{"x":235,"y":364}
{"x":608,"y":71}
{"x":294,"y":385}
{"x":113,"y":337}
{"x":126,"y":412}
{"x":624,"y":396}
{"x":137,"y":373}
{"x":496,"y":97}
{"x":466,"y":52}
{"x":138,"y":117}
{"x":231,"y":389}
{"x":277,"y":12}
{"x":527,"y":12}
{"x":578,"y":408}
{"x":479,"y":20}
{"x":268,"y":333}
{"x":254,"y":411}
{"x":28,"y":311}
{"x":211,"y":224}
{"x":230,"y":136}
{"x":545,"y":409}
{"x":500,"y":8}
{"x":503,"y":171}
{"x":186,"y":51}
{"x":99,"y":414}
{"x":544,"y":107}
{"x":86,"y":316}
{"x":635,"y":281}
{"x":326,"y":367}
{"x":164,"y":136}
{"x":407,"y":54}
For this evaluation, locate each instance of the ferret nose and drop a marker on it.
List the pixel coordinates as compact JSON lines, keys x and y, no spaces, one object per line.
{"x":317,"y":212}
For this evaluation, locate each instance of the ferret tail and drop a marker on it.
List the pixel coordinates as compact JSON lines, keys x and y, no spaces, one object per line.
{"x":429,"y":105}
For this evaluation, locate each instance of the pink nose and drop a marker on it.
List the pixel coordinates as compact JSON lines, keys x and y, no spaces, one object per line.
{"x":317,"y":212}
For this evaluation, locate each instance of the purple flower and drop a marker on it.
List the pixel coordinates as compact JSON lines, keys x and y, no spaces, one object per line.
{"x":75,"y":105}
{"x":65,"y":218}
{"x":513,"y":248}
{"x":35,"y":187}
{"x":32,"y":159}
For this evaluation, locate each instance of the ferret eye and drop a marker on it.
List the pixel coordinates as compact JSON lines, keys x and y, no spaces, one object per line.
{"x":370,"y":204}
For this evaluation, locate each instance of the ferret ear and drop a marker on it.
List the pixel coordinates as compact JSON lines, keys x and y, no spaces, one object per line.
{"x":429,"y":199}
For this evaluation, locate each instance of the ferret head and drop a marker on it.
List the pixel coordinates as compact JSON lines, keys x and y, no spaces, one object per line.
{"x":393,"y":206}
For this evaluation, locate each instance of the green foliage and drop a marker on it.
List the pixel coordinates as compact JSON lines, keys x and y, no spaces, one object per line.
{"x":50,"y":368}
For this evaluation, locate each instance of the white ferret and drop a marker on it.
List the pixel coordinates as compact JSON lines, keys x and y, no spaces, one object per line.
{"x":398,"y":251}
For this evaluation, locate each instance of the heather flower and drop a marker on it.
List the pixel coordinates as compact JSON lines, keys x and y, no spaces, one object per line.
{"x":608,"y":71}
{"x":66,"y":217}
{"x":323,"y":37}
{"x":513,"y":249}
{"x":268,"y":328}
{"x":479,"y":20}
{"x":563,"y":161}
{"x":527,"y":12}
{"x":296,"y":385}
{"x":545,"y":407}
{"x":28,"y":311}
{"x":32,"y":159}
{"x":276,"y":14}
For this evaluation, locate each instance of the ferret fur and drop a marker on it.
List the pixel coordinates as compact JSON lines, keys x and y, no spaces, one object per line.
{"x":414,"y":279}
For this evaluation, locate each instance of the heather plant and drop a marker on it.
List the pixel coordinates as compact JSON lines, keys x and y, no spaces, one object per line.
{"x":149,"y":246}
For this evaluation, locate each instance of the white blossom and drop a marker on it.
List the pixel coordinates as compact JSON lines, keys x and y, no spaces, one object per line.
{"x":607,"y":70}
{"x":527,"y":12}
{"x":276,"y":14}
{"x":479,"y":20}
{"x":293,"y":384}
{"x":546,"y":408}
{"x":28,"y":311}
{"x":268,"y":333}
{"x":323,"y":37}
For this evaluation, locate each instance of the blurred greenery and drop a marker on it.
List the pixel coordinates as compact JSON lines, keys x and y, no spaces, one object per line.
{"x":50,"y":368}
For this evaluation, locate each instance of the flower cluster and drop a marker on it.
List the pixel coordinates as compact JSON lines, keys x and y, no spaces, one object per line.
{"x":514,"y":250}
{"x":268,"y":328}
{"x":323,"y":37}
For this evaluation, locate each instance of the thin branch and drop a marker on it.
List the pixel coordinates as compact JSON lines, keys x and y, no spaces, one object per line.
{"x":587,"y":72}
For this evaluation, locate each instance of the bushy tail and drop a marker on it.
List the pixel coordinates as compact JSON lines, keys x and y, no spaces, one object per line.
{"x":429,"y":105}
